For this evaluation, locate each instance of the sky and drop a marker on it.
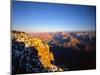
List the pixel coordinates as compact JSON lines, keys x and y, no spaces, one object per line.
{"x":52,"y":17}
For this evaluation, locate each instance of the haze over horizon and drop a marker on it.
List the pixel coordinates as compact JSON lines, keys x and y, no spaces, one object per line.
{"x":52,"y":17}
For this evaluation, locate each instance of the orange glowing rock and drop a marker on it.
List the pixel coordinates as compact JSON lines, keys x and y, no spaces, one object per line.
{"x":45,"y":56}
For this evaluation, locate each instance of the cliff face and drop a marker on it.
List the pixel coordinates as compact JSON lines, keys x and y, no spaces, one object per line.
{"x":44,"y":54}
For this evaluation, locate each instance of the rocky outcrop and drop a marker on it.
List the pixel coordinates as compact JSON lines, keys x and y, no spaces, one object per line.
{"x":44,"y":54}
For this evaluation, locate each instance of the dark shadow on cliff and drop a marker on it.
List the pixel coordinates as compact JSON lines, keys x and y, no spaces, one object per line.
{"x":25,"y":59}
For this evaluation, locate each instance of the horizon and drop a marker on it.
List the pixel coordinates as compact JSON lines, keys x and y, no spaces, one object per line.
{"x":53,"y":31}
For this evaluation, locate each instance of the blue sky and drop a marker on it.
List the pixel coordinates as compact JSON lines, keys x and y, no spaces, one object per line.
{"x":51,"y":17}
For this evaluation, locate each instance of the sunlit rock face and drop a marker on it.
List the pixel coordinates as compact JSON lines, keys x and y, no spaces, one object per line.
{"x":43,"y":36}
{"x":73,"y":42}
{"x":44,"y":54}
{"x":64,"y":35}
